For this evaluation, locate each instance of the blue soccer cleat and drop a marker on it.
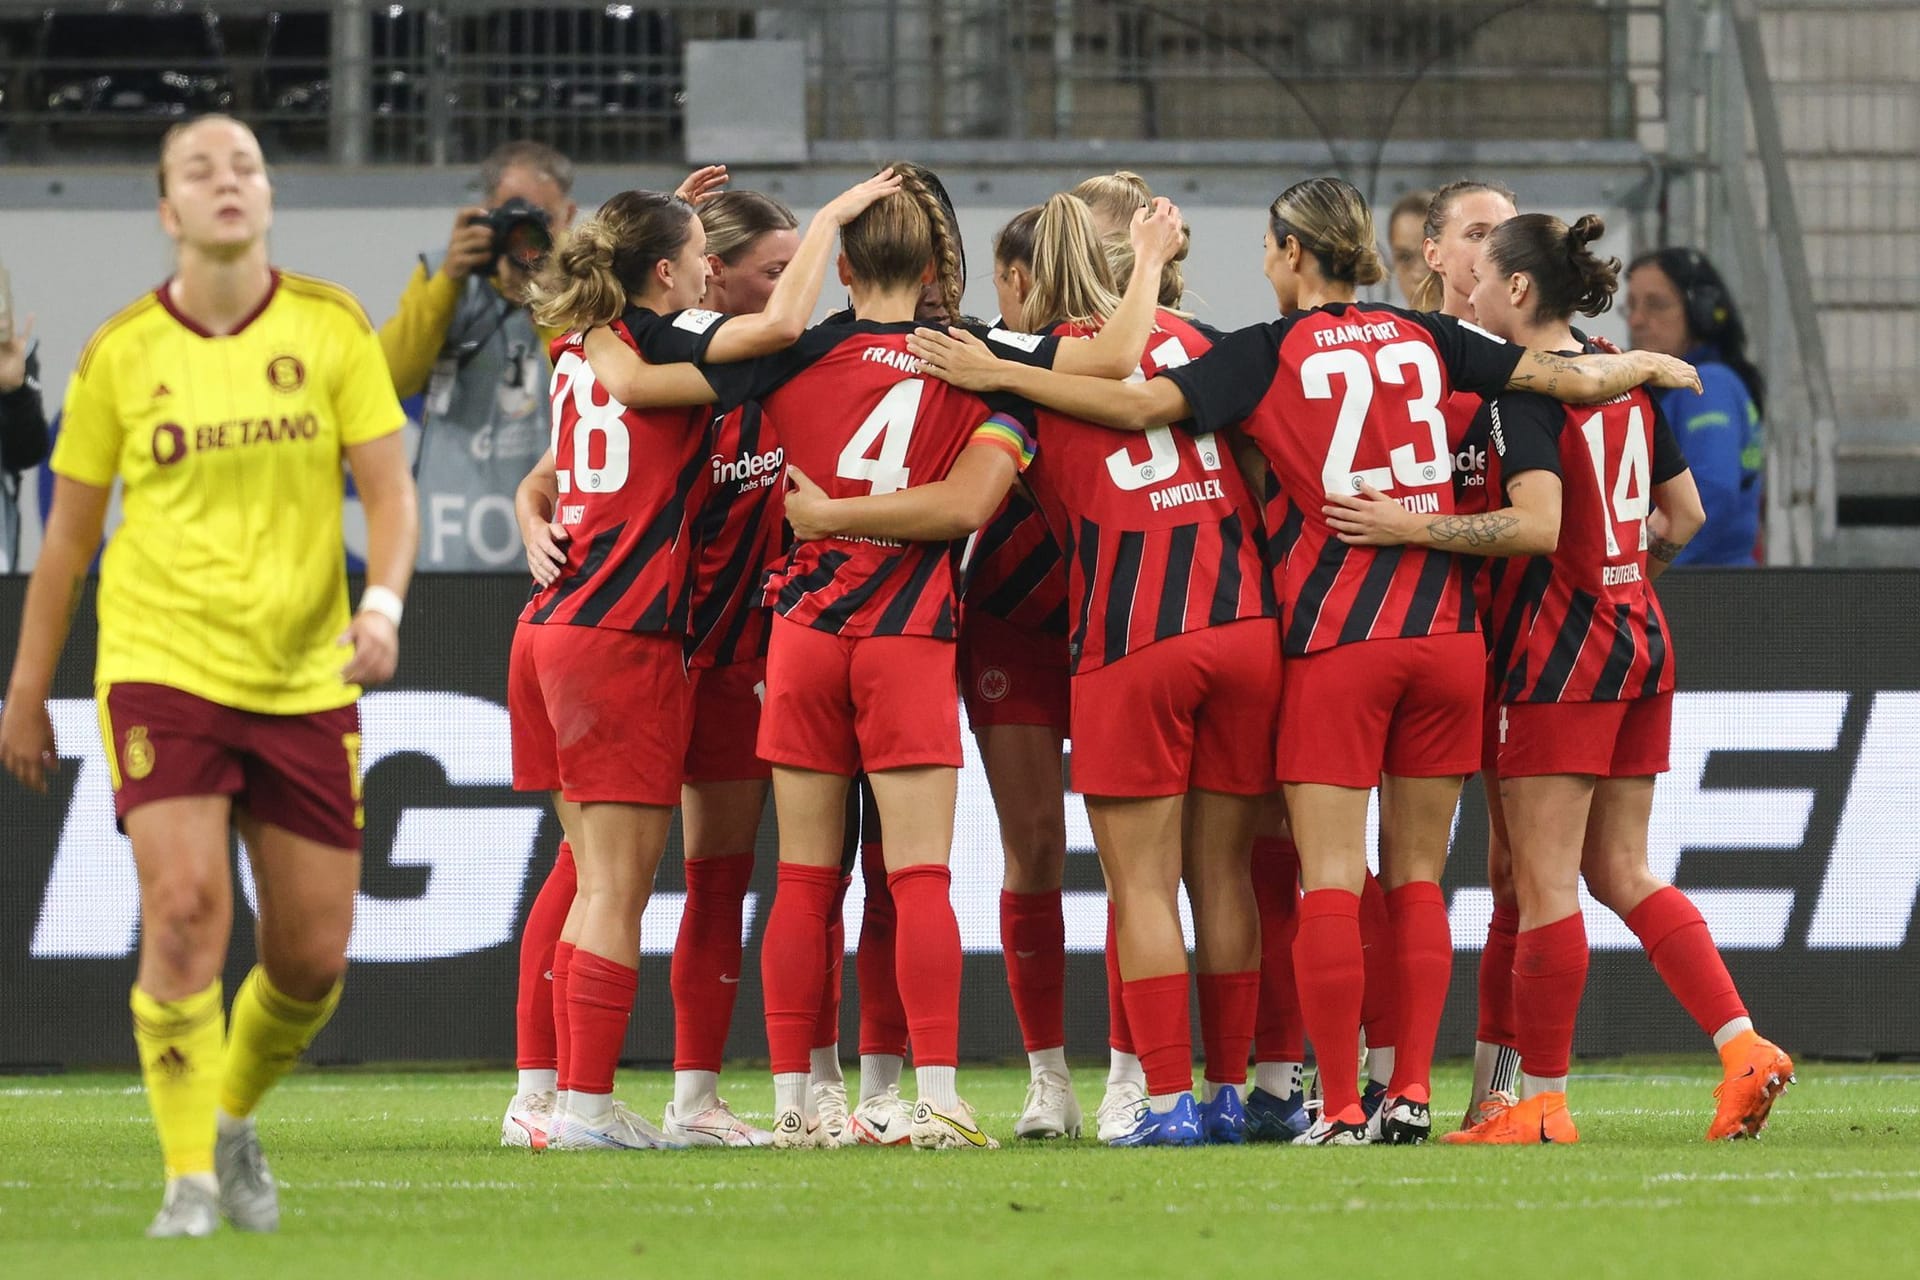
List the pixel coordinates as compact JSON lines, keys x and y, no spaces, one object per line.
{"x":1179,"y":1127}
{"x":1275,"y":1119}
{"x":1224,"y":1120}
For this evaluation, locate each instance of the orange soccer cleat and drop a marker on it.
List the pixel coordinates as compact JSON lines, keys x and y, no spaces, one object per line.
{"x":1543,"y":1118}
{"x":1755,"y":1073}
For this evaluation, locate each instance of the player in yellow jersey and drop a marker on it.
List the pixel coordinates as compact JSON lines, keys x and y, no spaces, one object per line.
{"x":229,"y":664}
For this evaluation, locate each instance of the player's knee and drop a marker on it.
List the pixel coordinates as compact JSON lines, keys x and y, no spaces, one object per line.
{"x":1620,"y":888}
{"x":1036,"y":853}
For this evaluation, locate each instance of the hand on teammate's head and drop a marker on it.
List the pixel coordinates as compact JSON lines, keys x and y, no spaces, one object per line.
{"x":703,"y":184}
{"x":1158,"y":231}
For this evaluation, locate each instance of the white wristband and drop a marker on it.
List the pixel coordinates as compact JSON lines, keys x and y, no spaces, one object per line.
{"x":384,"y":601}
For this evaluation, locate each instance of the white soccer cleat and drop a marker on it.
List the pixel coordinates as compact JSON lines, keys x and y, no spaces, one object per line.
{"x":717,"y":1126}
{"x":1120,"y":1109}
{"x":249,"y":1197}
{"x":949,"y":1129}
{"x":620,"y":1130}
{"x":529,"y":1117}
{"x":1052,"y":1110}
{"x":830,"y":1104}
{"x":190,"y":1209}
{"x":793,"y":1131}
{"x":884,"y":1120}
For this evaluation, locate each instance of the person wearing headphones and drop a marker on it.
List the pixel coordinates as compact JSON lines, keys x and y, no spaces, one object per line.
{"x":1678,"y":304}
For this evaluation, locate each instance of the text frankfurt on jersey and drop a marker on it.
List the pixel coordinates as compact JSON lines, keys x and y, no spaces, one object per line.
{"x":898,"y":359}
{"x":172,"y":442}
{"x":1340,"y":334}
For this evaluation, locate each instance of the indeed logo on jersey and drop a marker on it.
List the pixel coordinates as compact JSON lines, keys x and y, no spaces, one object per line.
{"x":172,"y":442}
{"x":750,"y":470}
{"x":1470,"y":464}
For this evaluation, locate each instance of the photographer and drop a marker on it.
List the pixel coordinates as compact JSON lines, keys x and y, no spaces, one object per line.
{"x":463,"y":334}
{"x":23,"y":435}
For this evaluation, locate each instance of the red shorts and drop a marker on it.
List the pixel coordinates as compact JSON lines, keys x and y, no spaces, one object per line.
{"x":599,"y":715}
{"x":1625,"y":739}
{"x":1411,"y":708}
{"x":726,"y":723}
{"x":1191,"y":712}
{"x":298,"y":772}
{"x":840,"y":704}
{"x":1011,"y":676}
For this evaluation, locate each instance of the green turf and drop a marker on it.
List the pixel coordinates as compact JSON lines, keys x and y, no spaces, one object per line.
{"x":398,"y":1174}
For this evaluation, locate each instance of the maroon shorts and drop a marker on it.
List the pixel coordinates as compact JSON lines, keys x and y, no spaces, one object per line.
{"x":1606,"y":739}
{"x":598,"y":714}
{"x":726,"y":723}
{"x":1411,"y":708}
{"x":840,"y":704}
{"x":298,"y":772}
{"x":1191,"y":712}
{"x":1011,"y":676}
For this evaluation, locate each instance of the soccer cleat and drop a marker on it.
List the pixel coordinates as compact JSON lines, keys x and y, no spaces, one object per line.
{"x":1119,"y":1108}
{"x":830,"y":1104}
{"x":717,"y":1126}
{"x":1372,"y":1098}
{"x":249,"y":1197}
{"x":189,"y":1209}
{"x":949,"y":1128}
{"x":528,"y":1118}
{"x":1178,"y":1127}
{"x":793,"y":1131}
{"x":1275,"y":1119}
{"x":620,"y":1130}
{"x":1494,"y":1101}
{"x":1347,"y":1129}
{"x":1405,"y":1122}
{"x":884,"y":1120}
{"x":1747,"y":1093}
{"x":1052,"y":1110}
{"x":1224,"y":1120}
{"x":1543,"y":1118}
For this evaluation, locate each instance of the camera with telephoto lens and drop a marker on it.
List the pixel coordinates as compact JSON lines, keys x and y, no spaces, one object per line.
{"x":522,"y":233}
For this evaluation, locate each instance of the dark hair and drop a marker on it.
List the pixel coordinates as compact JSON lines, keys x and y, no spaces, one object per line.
{"x":524,"y":154}
{"x":1433,"y":290}
{"x":599,"y":264}
{"x":1567,"y":275}
{"x":1415,"y":202}
{"x":1331,"y":220}
{"x":894,"y":240}
{"x":1712,"y":318}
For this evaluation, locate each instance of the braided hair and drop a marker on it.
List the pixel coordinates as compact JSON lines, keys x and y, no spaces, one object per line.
{"x":894,"y":240}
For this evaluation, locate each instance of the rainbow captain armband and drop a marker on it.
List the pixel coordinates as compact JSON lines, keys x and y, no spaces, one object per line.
{"x":1002,"y":431}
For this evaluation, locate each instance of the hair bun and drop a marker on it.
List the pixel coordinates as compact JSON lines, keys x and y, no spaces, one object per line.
{"x":1585,"y":230}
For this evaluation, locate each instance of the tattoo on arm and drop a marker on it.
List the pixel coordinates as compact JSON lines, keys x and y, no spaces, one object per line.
{"x":1665,"y":550}
{"x":1474,"y":531}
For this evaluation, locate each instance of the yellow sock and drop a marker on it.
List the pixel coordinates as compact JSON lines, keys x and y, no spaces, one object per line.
{"x":270,"y":1031}
{"x":180,"y":1057}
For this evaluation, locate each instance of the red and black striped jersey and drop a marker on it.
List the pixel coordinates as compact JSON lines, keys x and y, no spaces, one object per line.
{"x":1346,"y":394}
{"x":628,"y":481}
{"x":738,"y":534}
{"x":1160,"y":533}
{"x":1016,"y":572}
{"x":1584,"y":622}
{"x":854,"y":413}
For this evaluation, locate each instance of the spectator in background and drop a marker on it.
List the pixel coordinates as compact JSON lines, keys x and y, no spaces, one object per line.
{"x":1678,"y":305}
{"x":23,"y":434}
{"x":1406,"y":230}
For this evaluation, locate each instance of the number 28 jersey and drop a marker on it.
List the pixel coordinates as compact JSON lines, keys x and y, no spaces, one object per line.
{"x":1346,"y":394}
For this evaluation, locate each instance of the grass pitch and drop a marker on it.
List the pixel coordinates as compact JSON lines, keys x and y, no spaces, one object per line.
{"x":388,"y":1175}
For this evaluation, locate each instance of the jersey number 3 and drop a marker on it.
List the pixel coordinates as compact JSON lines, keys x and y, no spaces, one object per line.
{"x":1390,"y":363}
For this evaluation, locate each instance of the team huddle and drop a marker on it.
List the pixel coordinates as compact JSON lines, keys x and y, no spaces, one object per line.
{"x":1247,"y":575}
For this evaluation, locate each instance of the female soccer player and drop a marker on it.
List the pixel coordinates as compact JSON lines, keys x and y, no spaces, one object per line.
{"x":225,"y":403}
{"x":1386,"y":670}
{"x":1406,"y":231}
{"x":1114,"y":199}
{"x":603,"y":641}
{"x":1459,"y":218}
{"x":1601,"y":501}
{"x":1173,"y":646}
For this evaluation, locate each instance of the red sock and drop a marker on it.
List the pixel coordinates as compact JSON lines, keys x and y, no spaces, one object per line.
{"x":535,"y":1046}
{"x":705,"y":977}
{"x":1549,"y":975}
{"x":1119,"y":1029}
{"x":883,"y":1022}
{"x":1033,"y":935}
{"x":600,"y":996}
{"x":1277,"y":1036}
{"x":1423,"y":946}
{"x":1229,"y":1002}
{"x":928,"y":965}
{"x":1677,"y":941}
{"x":1496,"y":978}
{"x":562,"y":1022}
{"x":1380,"y":998}
{"x":793,"y":962}
{"x":1157,"y":1012}
{"x":826,"y":1027}
{"x":1331,"y":969}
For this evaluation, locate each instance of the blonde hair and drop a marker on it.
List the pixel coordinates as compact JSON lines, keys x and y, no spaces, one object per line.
{"x":1331,"y":220}
{"x":1432,"y":293}
{"x":1071,"y":283}
{"x":735,"y":219}
{"x":894,"y":240}
{"x":173,"y":133}
{"x":596,"y":267}
{"x":1115,"y":198}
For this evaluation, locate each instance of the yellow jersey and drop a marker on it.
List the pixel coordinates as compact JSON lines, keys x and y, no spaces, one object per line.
{"x":227,"y":576}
